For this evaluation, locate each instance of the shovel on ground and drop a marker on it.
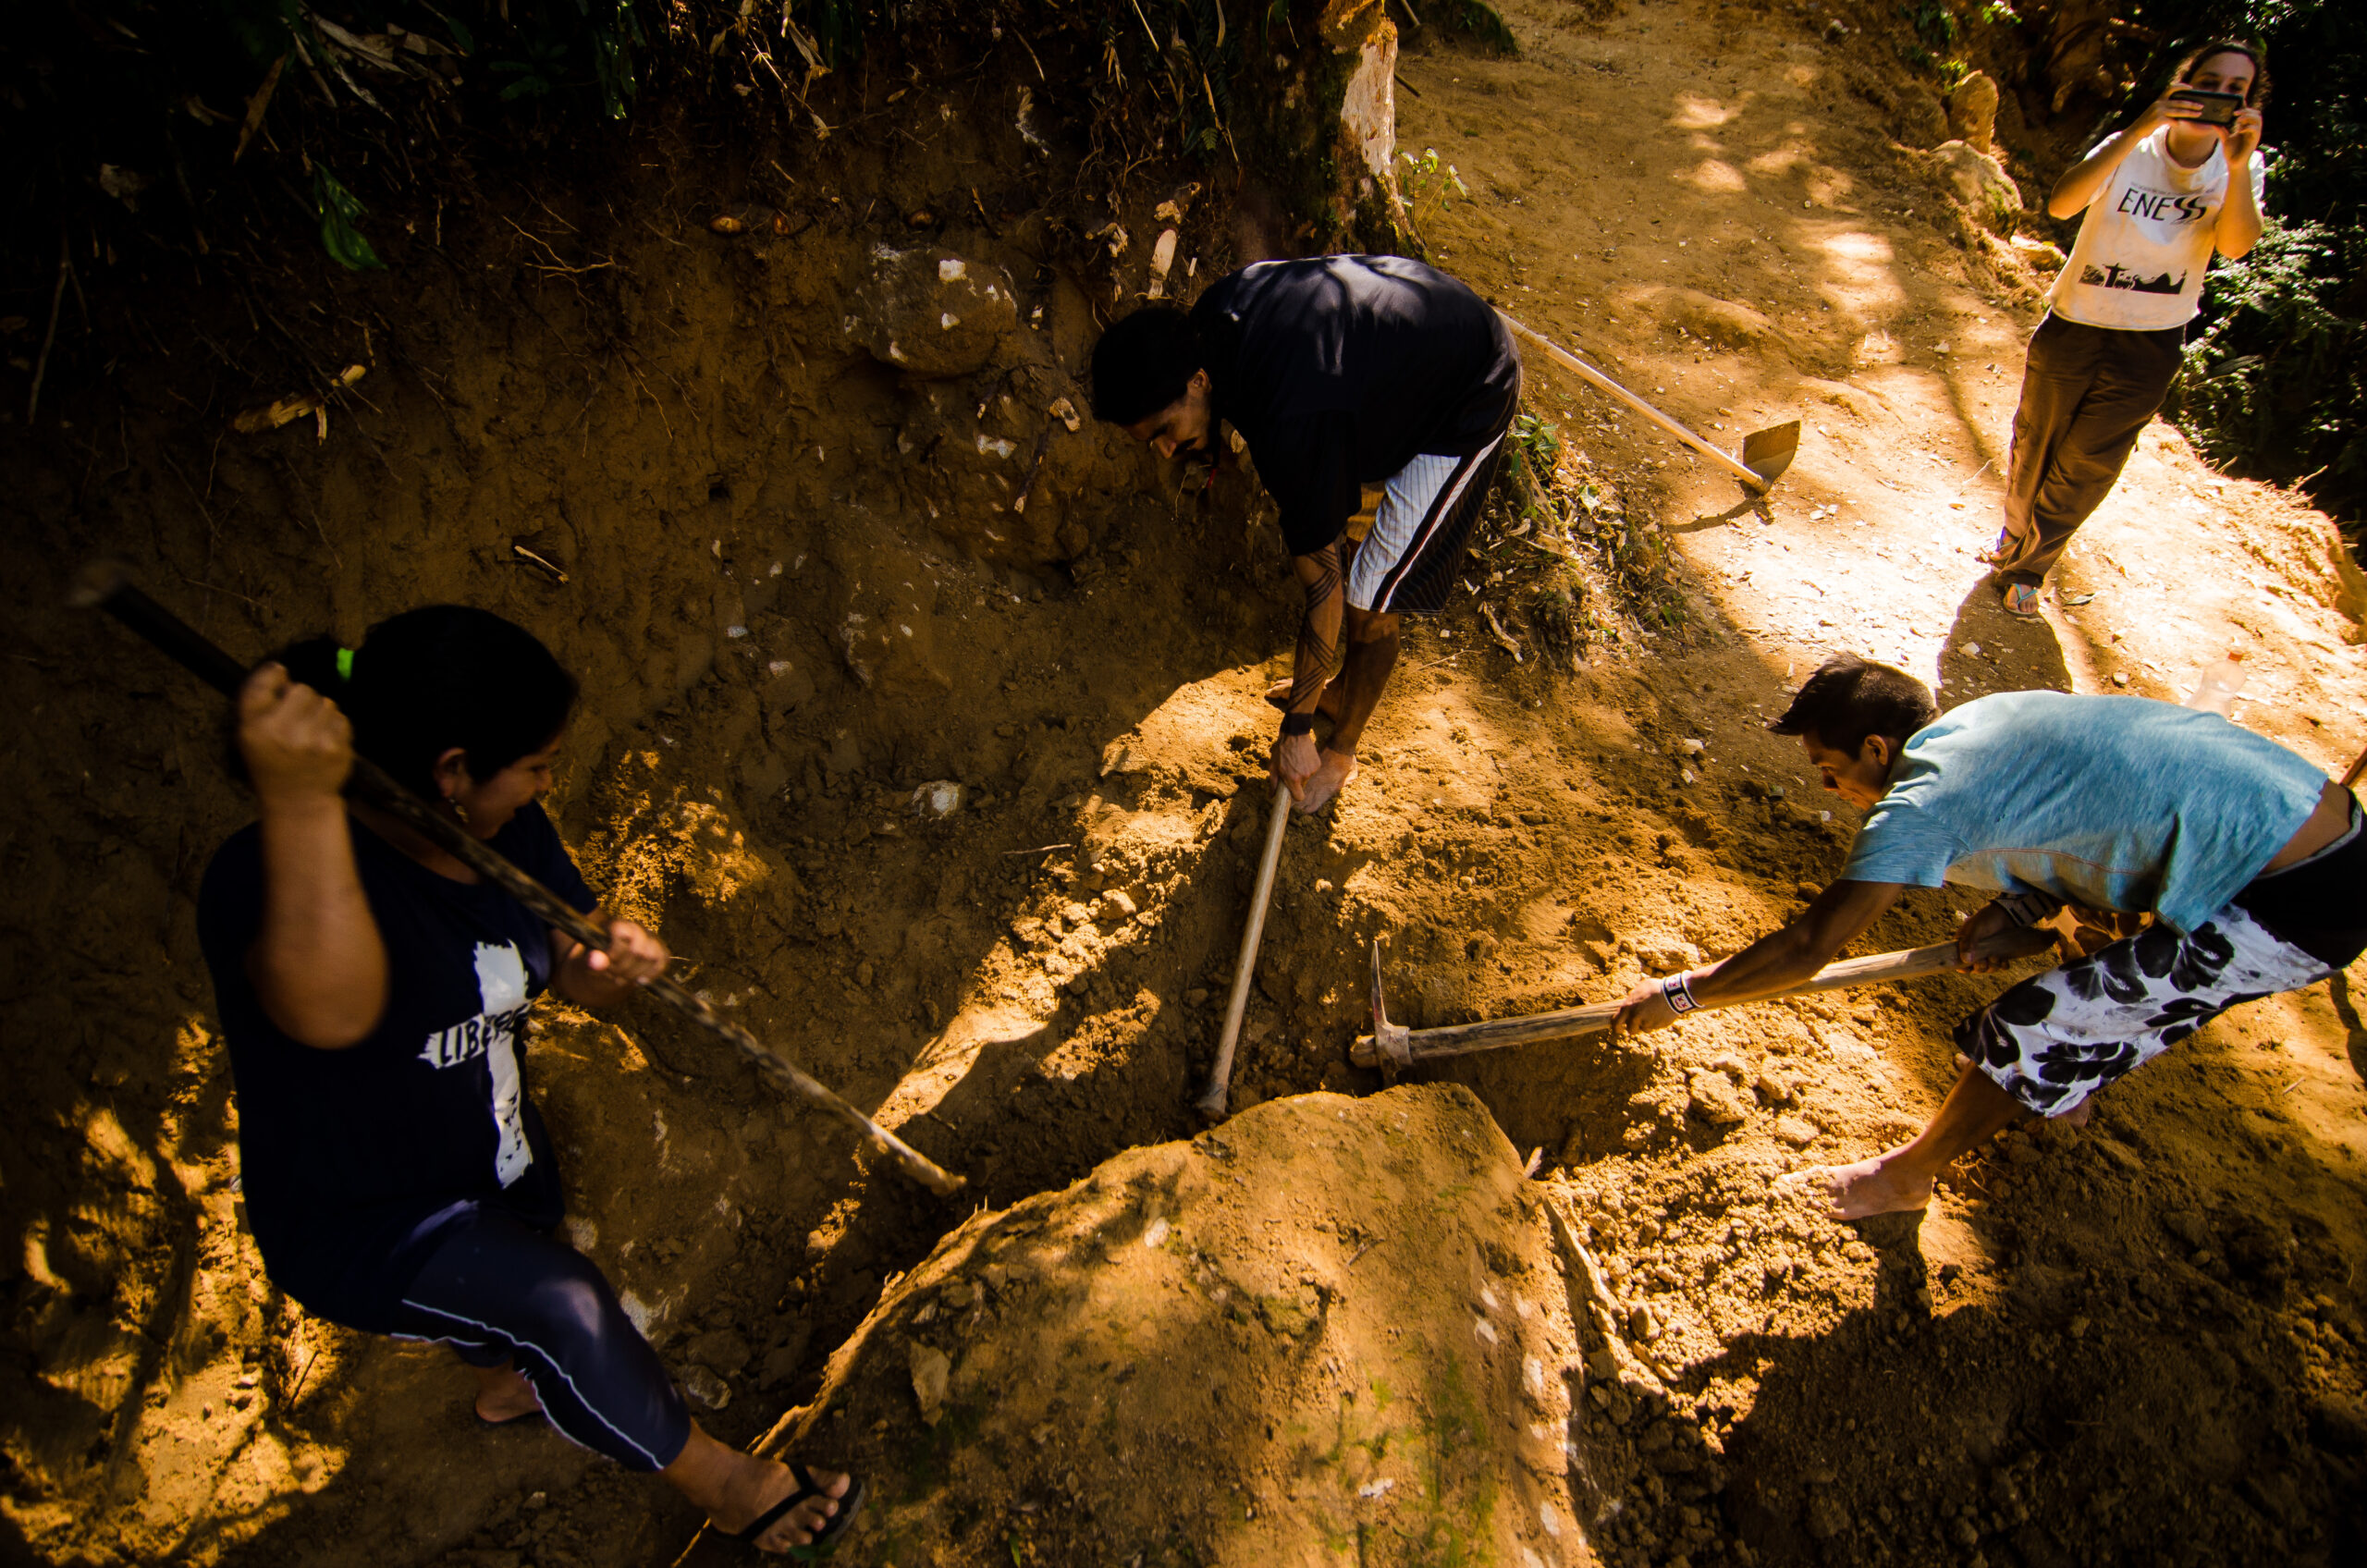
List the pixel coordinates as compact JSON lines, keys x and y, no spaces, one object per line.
{"x":1765,"y":453}
{"x":1396,"y":1046}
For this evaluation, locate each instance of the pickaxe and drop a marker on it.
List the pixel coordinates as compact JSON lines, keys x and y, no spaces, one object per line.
{"x":1394,"y":1045}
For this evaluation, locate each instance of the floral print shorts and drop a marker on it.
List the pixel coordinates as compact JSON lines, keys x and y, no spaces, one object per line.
{"x":2058,"y":1037}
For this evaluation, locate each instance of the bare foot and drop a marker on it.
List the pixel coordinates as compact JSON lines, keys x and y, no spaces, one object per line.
{"x":1331,"y":776}
{"x":758,"y":1484}
{"x":1328,"y":705}
{"x":1860,"y":1191}
{"x":2079,"y":1115}
{"x":503,"y":1394}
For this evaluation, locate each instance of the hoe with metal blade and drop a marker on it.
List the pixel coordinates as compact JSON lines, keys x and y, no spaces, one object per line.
{"x":1765,"y":453}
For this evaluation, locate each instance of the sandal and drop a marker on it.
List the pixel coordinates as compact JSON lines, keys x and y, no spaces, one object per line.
{"x":2020,"y":600}
{"x":826,"y":1540}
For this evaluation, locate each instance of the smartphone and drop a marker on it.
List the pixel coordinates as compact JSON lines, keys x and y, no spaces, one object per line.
{"x":2214,"y":108}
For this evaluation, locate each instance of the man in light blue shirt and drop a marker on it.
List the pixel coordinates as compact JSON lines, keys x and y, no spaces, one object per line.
{"x":2251,"y":863}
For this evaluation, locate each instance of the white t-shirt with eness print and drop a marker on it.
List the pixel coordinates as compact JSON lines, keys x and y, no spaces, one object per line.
{"x":2146,"y":240}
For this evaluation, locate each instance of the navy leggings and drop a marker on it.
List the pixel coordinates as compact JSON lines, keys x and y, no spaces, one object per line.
{"x":495,"y":1290}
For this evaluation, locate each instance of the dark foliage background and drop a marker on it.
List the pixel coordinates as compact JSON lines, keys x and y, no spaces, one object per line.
{"x":2275,"y":385}
{"x":242,"y":144}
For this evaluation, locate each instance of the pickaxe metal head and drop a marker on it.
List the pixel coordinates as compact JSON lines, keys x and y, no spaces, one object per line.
{"x":1389,"y":1040}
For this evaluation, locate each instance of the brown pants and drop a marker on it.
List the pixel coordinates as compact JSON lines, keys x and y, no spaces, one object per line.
{"x":2087,"y":391}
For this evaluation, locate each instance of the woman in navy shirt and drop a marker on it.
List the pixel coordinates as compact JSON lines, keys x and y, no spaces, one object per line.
{"x":375,"y":992}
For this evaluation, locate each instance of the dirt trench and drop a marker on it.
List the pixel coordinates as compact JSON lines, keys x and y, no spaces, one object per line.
{"x":688,"y":461}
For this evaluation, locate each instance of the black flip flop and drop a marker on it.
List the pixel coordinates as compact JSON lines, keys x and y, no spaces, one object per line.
{"x":826,"y":1541}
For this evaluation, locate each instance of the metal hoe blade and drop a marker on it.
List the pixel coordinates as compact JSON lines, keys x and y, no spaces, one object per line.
{"x":1769,"y":452}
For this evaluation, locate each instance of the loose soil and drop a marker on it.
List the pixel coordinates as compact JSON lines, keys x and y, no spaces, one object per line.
{"x":797,"y":587}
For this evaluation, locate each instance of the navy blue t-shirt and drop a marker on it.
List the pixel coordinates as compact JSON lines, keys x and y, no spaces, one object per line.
{"x":1341,"y":369}
{"x":350,"y":1159}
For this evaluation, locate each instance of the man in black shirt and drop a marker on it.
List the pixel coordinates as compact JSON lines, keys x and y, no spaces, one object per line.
{"x":1337,"y":372}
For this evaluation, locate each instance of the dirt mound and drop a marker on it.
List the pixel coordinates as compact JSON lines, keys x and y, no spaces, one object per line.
{"x":1331,"y":1328}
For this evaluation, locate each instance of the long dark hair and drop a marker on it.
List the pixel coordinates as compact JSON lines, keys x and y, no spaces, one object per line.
{"x":429,"y":679}
{"x":2253,"y":52}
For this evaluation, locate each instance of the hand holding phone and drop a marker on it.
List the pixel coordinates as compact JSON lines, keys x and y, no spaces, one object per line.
{"x":2215,"y":109}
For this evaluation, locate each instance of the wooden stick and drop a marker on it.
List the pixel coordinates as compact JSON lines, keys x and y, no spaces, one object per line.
{"x":56,"y":302}
{"x":106,"y":585}
{"x":1211,"y":1103}
{"x":1402,"y":1046}
{"x":1602,"y":383}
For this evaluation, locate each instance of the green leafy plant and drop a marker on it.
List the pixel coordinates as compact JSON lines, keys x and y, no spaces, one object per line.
{"x":2275,"y":382}
{"x":339,"y":213}
{"x":1430,"y":186}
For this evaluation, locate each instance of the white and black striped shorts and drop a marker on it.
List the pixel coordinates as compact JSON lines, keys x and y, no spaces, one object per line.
{"x":1407,"y":563}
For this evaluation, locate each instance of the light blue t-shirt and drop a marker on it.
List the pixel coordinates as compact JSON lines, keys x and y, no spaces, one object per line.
{"x":2114,"y":803}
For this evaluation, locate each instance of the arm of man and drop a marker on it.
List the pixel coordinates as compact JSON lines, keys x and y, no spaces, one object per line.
{"x":318,"y":964}
{"x":590,"y":978}
{"x":2085,"y":180}
{"x":1772,"y":964}
{"x":2240,"y":223}
{"x":1318,"y":658}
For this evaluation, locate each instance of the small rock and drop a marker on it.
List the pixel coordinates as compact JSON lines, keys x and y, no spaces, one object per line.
{"x":940,"y":798}
{"x":1774,"y":1085}
{"x":704,"y":1388}
{"x":1642,"y":1323}
{"x":2120,"y":678}
{"x":1120,"y":902}
{"x":2121,"y":1154}
{"x":932,"y":1369}
{"x":1693,"y":748}
{"x":1972,"y":649}
{"x":1972,"y":111}
{"x":1825,"y":1518}
{"x":921,"y":315}
{"x":721,"y":1349}
{"x":1196,"y":996}
{"x":1715,"y":1100}
{"x":1668,"y":958}
{"x":1978,"y":180}
{"x":1797,"y":1131}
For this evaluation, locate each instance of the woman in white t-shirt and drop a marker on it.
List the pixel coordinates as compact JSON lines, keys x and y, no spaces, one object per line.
{"x":2159,"y":201}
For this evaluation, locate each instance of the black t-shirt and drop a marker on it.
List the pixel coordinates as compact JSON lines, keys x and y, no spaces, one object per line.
{"x":1339,"y":371}
{"x":350,"y":1158}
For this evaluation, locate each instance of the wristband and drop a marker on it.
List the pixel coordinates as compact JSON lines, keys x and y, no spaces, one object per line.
{"x":2028,"y":909}
{"x":1298,"y":724}
{"x":1678,"y":991}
